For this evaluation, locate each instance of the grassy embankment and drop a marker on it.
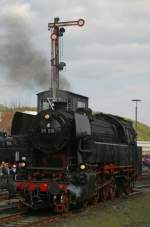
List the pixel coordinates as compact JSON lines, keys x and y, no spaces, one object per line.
{"x":134,"y":212}
{"x":143,"y":132}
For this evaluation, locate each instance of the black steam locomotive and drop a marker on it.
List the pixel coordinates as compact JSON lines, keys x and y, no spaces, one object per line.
{"x":12,"y":150}
{"x":74,"y":157}
{"x":6,"y":144}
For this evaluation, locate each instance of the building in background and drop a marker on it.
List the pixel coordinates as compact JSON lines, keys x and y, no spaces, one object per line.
{"x":145,"y":147}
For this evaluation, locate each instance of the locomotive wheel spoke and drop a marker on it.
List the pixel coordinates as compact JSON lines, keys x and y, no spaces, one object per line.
{"x":118,"y":191}
{"x":66,"y":202}
{"x":104,"y":193}
{"x":97,"y":197}
{"x":127,"y":188}
{"x":112,"y":191}
{"x":101,"y":195}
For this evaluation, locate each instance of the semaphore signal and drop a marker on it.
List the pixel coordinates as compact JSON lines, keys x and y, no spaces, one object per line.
{"x":57,"y":30}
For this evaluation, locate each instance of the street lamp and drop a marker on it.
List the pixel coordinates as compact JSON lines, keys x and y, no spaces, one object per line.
{"x":136,"y":110}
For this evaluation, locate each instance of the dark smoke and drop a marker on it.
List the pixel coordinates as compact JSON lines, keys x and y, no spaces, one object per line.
{"x":19,"y":58}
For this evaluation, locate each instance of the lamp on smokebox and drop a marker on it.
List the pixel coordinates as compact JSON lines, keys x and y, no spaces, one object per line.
{"x":22,"y":164}
{"x":82,"y":166}
{"x":47,"y":116}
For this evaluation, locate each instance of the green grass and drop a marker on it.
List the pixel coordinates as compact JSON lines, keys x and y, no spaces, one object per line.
{"x":134,"y":212}
{"x":143,"y":132}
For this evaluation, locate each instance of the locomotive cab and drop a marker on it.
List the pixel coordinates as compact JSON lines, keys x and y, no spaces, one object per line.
{"x":65,"y":101}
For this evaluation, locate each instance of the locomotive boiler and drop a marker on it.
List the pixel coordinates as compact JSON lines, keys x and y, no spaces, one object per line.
{"x":74,"y":156}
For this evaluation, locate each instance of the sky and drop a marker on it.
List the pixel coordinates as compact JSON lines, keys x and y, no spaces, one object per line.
{"x":107,"y":59}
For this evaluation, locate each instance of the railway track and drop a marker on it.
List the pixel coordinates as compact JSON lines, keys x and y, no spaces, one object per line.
{"x":143,"y":186}
{"x":146,"y":175}
{"x":4,"y":195}
{"x":7,"y":203}
{"x":24,"y":219}
{"x":143,"y":182}
{"x":20,"y":220}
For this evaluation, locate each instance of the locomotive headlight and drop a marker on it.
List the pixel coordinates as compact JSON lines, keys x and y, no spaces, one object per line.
{"x":46,"y":116}
{"x":22,"y":164}
{"x":82,"y":166}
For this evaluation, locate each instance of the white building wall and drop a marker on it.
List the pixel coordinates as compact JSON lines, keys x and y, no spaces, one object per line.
{"x":145,"y":147}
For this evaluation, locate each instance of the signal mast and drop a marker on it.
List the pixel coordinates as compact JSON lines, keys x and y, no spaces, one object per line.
{"x":57,"y":31}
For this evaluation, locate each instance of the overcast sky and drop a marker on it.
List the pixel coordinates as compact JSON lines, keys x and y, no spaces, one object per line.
{"x":107,"y":59}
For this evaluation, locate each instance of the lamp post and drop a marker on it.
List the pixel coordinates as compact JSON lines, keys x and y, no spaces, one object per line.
{"x":136,"y":110}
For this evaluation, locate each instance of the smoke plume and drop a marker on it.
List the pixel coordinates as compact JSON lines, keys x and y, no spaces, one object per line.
{"x":19,"y":58}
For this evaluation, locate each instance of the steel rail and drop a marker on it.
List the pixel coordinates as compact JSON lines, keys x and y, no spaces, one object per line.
{"x":21,"y":220}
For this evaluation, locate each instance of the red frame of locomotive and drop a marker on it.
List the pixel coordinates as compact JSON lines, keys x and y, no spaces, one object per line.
{"x":105,"y":189}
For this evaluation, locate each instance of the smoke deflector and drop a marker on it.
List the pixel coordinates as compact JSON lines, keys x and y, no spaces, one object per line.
{"x":82,"y":125}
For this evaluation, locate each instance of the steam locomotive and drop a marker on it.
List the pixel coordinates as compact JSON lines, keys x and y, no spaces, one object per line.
{"x":74,"y":157}
{"x":6,"y":144}
{"x":11,"y":148}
